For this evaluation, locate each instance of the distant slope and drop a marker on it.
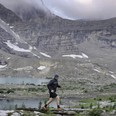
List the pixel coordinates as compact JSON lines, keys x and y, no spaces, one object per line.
{"x":7,"y":15}
{"x":30,"y":11}
{"x":79,"y":50}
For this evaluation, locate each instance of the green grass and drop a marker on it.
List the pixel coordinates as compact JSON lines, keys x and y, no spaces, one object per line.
{"x":28,"y":113}
{"x":112,"y":98}
{"x":89,"y":103}
{"x":95,"y":112}
{"x":28,"y":90}
{"x":109,"y":87}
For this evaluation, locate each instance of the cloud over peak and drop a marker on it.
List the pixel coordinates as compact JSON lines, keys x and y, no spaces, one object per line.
{"x":73,"y":9}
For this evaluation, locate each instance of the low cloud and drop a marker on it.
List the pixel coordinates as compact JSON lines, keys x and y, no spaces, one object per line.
{"x":12,"y":4}
{"x":78,"y":9}
{"x":73,"y":9}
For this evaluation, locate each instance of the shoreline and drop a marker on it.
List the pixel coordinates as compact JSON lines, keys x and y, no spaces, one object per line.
{"x":65,"y":96}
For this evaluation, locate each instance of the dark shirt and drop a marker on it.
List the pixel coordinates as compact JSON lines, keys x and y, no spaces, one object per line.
{"x":53,"y":84}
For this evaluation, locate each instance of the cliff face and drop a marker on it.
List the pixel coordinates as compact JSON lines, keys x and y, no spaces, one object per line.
{"x":74,"y":49}
{"x":7,"y":15}
{"x":58,"y":36}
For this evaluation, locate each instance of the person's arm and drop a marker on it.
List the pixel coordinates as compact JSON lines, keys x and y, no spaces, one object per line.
{"x":58,"y":86}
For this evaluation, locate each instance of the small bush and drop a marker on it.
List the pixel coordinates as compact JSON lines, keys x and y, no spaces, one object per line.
{"x":91,"y":105}
{"x":112,"y":99}
{"x":1,"y":91}
{"x":43,"y":90}
{"x":10,"y":91}
{"x":85,"y":91}
{"x":95,"y":112}
{"x":9,"y":114}
{"x":98,"y":105}
{"x":99,"y":99}
{"x":82,"y":107}
{"x":114,"y":106}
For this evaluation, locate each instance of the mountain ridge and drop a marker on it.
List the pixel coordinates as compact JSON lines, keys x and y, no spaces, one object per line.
{"x":7,"y":15}
{"x":74,"y":49}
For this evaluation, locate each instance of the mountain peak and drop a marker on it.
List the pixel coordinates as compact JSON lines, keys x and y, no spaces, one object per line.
{"x":29,"y":10}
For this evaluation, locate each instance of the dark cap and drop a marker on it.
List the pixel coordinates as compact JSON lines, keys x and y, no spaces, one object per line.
{"x":56,"y":76}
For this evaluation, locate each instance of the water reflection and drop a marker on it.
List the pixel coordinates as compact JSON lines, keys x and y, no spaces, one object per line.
{"x":23,"y":80}
{"x":11,"y":104}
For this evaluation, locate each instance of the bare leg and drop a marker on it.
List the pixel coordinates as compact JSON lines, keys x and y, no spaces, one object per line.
{"x":58,"y":100}
{"x":49,"y":101}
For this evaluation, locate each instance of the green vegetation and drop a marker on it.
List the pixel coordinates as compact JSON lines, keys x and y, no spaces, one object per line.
{"x":6,"y":91}
{"x":9,"y":114}
{"x":28,"y":113}
{"x":107,"y":87}
{"x":47,"y":112}
{"x":25,"y":90}
{"x":102,"y":98}
{"x":95,"y":112}
{"x":97,"y":103}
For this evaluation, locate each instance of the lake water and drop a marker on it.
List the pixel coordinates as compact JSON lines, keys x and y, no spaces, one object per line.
{"x":11,"y":104}
{"x":23,"y":80}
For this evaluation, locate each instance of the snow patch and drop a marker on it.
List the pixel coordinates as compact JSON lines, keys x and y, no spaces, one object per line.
{"x":16,"y":43}
{"x":16,"y":48}
{"x":8,"y":58}
{"x":35,"y":55}
{"x":3,"y":66}
{"x":34,"y":48}
{"x":76,"y":56}
{"x":41,"y":68}
{"x":111,"y":72}
{"x":30,"y":48}
{"x":5,"y":112}
{"x":11,"y":27}
{"x":113,"y":76}
{"x":8,"y":29}
{"x":46,"y":55}
{"x":73,"y":56}
{"x":27,"y":68}
{"x":96,"y":70}
{"x":84,"y":55}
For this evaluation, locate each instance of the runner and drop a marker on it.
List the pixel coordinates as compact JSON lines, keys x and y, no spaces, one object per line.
{"x":52,"y":87}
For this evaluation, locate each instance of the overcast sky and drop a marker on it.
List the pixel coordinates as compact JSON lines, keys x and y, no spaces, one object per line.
{"x":74,"y":9}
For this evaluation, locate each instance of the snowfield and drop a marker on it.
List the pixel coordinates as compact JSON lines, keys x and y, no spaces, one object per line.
{"x":76,"y":56}
{"x":5,"y":112}
{"x":84,"y":55}
{"x":41,"y":68}
{"x":3,"y":66}
{"x":46,"y":55}
{"x":113,"y":76}
{"x":96,"y":70}
{"x":27,"y":68}
{"x":16,"y":48}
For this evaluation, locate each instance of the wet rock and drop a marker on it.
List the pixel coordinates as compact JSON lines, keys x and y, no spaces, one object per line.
{"x":16,"y":114}
{"x":71,"y":112}
{"x":113,"y":112}
{"x":39,"y":113}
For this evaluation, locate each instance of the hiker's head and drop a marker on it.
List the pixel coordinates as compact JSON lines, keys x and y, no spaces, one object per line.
{"x":56,"y":76}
